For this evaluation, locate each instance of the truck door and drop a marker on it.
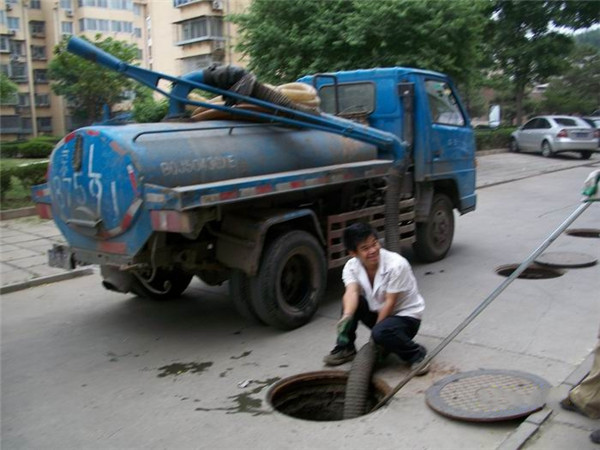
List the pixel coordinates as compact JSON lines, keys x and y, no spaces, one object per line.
{"x":450,"y":138}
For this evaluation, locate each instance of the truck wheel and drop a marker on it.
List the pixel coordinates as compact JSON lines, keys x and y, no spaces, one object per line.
{"x":434,"y":237}
{"x":239,"y":290}
{"x":290,"y":282}
{"x":165,"y":285}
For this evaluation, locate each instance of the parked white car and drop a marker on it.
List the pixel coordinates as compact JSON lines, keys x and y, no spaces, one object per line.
{"x":556,"y":134}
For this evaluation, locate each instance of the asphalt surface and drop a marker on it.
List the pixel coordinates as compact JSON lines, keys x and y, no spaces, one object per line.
{"x":80,"y":370}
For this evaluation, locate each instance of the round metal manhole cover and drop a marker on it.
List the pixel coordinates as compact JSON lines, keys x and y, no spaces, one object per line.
{"x":566,"y":259}
{"x":584,"y":232}
{"x":488,"y":395}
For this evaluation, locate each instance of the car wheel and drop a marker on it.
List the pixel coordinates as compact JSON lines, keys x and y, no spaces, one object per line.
{"x":434,"y":237}
{"x":586,"y":155}
{"x":513,"y":146}
{"x":291,"y":281}
{"x":547,"y":150}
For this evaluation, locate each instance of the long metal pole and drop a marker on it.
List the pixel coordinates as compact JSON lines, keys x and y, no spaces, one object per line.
{"x":574,"y":215}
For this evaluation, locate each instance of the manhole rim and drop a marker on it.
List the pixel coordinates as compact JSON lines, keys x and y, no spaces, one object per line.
{"x":581,"y":232}
{"x":432,"y":395}
{"x":591,"y":261}
{"x":378,"y":383}
{"x":535,"y":266}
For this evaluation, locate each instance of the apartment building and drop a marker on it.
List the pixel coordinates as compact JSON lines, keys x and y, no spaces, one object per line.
{"x":173,"y":36}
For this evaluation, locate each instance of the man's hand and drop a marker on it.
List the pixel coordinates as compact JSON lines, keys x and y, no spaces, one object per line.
{"x":590,"y":187}
{"x":342,"y":329}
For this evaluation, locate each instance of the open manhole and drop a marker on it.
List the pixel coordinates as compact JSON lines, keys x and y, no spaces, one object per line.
{"x":488,"y":395}
{"x":319,"y":396}
{"x":584,"y":232}
{"x":533,"y":272}
{"x":571,"y":260}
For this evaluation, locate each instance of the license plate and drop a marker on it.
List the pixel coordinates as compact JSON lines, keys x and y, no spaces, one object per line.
{"x":581,"y":135}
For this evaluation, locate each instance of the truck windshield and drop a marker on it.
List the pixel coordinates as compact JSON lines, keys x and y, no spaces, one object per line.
{"x":353,"y":98}
{"x":443,"y":104}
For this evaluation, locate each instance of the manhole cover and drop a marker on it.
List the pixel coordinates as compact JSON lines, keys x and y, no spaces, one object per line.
{"x":566,"y":259}
{"x":319,"y":396}
{"x":488,"y":395}
{"x":533,"y":272}
{"x":584,"y":232}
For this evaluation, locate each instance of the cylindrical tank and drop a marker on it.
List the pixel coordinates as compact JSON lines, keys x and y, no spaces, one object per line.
{"x":97,"y":173}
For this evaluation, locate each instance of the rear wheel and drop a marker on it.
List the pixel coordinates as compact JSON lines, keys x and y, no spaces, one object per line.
{"x":161,"y":284}
{"x":586,"y":154}
{"x":547,"y":150}
{"x":239,"y":290}
{"x":434,"y":237}
{"x":290,"y":282}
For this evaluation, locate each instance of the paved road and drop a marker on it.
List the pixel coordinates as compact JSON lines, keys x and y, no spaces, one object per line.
{"x":86,"y":368}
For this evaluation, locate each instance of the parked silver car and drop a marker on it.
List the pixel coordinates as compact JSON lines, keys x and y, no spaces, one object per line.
{"x":556,"y":134}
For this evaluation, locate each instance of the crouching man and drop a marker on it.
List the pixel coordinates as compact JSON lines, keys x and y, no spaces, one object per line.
{"x":381,"y":292}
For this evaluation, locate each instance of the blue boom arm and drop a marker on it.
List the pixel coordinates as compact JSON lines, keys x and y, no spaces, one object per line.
{"x":195,"y":80}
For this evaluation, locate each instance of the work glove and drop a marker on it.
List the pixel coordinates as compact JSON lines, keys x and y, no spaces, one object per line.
{"x":343,"y":326}
{"x":590,"y":187}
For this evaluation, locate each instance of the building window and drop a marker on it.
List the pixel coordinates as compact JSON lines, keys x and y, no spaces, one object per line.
{"x":2,"y":17}
{"x":196,"y":63}
{"x":13,"y":23}
{"x":40,"y":75}
{"x":94,"y":25}
{"x":44,"y":123}
{"x":35,"y":4}
{"x":4,"y":44}
{"x":17,"y":48}
{"x":23,"y":99}
{"x":178,"y":3}
{"x":202,"y":28}
{"x":120,"y":26}
{"x":137,"y":32}
{"x":66,"y":28}
{"x":139,"y":55}
{"x":37,"y":28}
{"x":26,"y":125}
{"x":96,"y":3}
{"x":66,"y":4}
{"x":137,"y":9}
{"x":38,"y":52}
{"x":18,"y":71}
{"x":42,"y":100}
{"x":122,"y":4}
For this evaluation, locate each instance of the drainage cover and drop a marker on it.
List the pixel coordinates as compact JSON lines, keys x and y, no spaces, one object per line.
{"x":566,"y":259}
{"x":488,"y":395}
{"x":318,"y":396}
{"x":533,"y":272}
{"x":584,"y":232}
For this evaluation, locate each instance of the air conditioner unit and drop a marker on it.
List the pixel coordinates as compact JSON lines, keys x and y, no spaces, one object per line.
{"x":12,"y":32}
{"x":217,"y":5}
{"x":9,"y":7}
{"x":69,"y":12}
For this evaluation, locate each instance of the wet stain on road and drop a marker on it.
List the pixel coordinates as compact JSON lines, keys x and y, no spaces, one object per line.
{"x":181,"y":368}
{"x":243,"y":355}
{"x":245,"y":403}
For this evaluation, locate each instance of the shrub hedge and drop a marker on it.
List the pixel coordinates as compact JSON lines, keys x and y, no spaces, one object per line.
{"x":34,"y":173}
{"x":493,"y":139}
{"x":5,"y":181}
{"x":39,"y":147}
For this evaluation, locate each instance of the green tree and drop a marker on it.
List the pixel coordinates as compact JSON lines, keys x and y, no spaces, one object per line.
{"x":578,"y":90}
{"x":526,"y":44}
{"x":8,"y":89}
{"x":88,"y":86}
{"x":289,"y":38}
{"x":146,"y":108}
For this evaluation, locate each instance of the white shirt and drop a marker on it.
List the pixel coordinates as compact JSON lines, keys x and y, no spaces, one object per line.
{"x":394,"y":275}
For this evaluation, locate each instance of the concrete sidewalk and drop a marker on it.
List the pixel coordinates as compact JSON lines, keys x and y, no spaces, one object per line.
{"x":23,"y":263}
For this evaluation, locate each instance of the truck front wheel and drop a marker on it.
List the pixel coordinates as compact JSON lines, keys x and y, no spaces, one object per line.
{"x":290,"y":282}
{"x":434,"y":237}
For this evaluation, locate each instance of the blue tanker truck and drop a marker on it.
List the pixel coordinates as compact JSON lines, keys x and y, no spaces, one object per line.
{"x":260,"y":195}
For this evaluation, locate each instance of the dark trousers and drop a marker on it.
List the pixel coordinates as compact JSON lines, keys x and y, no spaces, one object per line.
{"x":394,"y":333}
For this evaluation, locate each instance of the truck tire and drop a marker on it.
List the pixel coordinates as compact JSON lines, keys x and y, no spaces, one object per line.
{"x":359,"y":382}
{"x":290,"y":282}
{"x":165,"y":285}
{"x":434,"y":237}
{"x":239,"y":290}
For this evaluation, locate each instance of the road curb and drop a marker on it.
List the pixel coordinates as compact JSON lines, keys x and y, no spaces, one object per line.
{"x":17,"y":213}
{"x":46,"y":280}
{"x":517,"y":439}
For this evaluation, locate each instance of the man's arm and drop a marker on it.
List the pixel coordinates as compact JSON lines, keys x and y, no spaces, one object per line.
{"x":350,"y":299}
{"x":388,"y":306}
